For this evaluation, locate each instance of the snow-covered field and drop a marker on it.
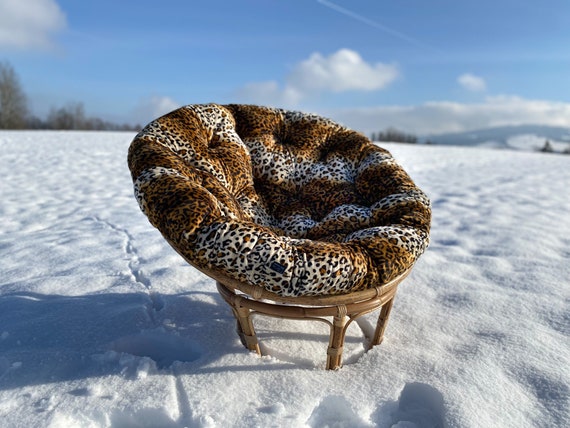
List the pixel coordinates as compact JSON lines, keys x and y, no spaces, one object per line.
{"x":103,"y":325}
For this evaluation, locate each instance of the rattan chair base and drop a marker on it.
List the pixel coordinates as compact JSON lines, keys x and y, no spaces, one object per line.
{"x":342,"y":309}
{"x":246,"y":300}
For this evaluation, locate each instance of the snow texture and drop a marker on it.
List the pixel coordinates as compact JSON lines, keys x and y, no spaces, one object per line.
{"x":102,"y":324}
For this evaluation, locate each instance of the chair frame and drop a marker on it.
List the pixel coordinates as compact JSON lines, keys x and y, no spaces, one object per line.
{"x":246,"y":300}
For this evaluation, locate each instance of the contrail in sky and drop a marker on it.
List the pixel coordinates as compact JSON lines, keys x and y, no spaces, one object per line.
{"x":374,"y":24}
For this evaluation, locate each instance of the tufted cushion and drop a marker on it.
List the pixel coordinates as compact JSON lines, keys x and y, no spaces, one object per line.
{"x":288,"y":201}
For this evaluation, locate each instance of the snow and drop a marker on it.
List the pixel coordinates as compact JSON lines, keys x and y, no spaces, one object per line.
{"x":534,"y":142}
{"x":522,"y":137}
{"x":102,"y":324}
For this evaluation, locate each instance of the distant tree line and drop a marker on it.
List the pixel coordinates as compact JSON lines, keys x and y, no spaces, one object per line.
{"x":15,"y":114}
{"x":393,"y":135}
{"x":73,"y":117}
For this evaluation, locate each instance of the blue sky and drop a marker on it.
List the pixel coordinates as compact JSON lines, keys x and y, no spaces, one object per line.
{"x":422,"y":66}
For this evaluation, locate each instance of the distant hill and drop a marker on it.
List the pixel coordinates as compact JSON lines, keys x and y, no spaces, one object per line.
{"x":524,"y":137}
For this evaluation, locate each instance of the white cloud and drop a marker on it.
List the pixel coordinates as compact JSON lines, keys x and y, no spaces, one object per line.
{"x":29,"y":24}
{"x":344,"y":70}
{"x":154,"y":107}
{"x":472,"y":83}
{"x":445,"y":116}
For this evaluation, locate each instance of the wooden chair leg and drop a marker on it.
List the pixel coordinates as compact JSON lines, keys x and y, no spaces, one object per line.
{"x":245,"y":329}
{"x":336,"y":342}
{"x":382,"y":323}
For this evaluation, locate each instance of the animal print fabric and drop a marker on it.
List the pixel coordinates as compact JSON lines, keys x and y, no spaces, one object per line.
{"x":287,"y":201}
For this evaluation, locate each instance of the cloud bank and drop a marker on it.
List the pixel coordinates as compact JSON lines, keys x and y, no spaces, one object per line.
{"x":29,"y":24}
{"x":430,"y":118}
{"x":342,"y":71}
{"x":444,"y":116}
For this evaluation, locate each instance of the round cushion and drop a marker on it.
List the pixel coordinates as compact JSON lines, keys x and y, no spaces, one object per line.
{"x":284,"y":200}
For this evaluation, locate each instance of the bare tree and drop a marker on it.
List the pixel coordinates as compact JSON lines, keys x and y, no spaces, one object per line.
{"x":14,"y":113}
{"x":71,"y":116}
{"x":13,"y":101}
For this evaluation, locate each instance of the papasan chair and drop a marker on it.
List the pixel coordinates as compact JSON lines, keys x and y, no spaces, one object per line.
{"x":293,"y":215}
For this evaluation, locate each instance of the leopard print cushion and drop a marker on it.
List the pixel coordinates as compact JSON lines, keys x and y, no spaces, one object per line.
{"x":288,"y":201}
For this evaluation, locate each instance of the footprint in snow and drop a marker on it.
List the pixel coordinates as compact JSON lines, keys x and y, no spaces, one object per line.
{"x":335,"y":411}
{"x":420,"y":406}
